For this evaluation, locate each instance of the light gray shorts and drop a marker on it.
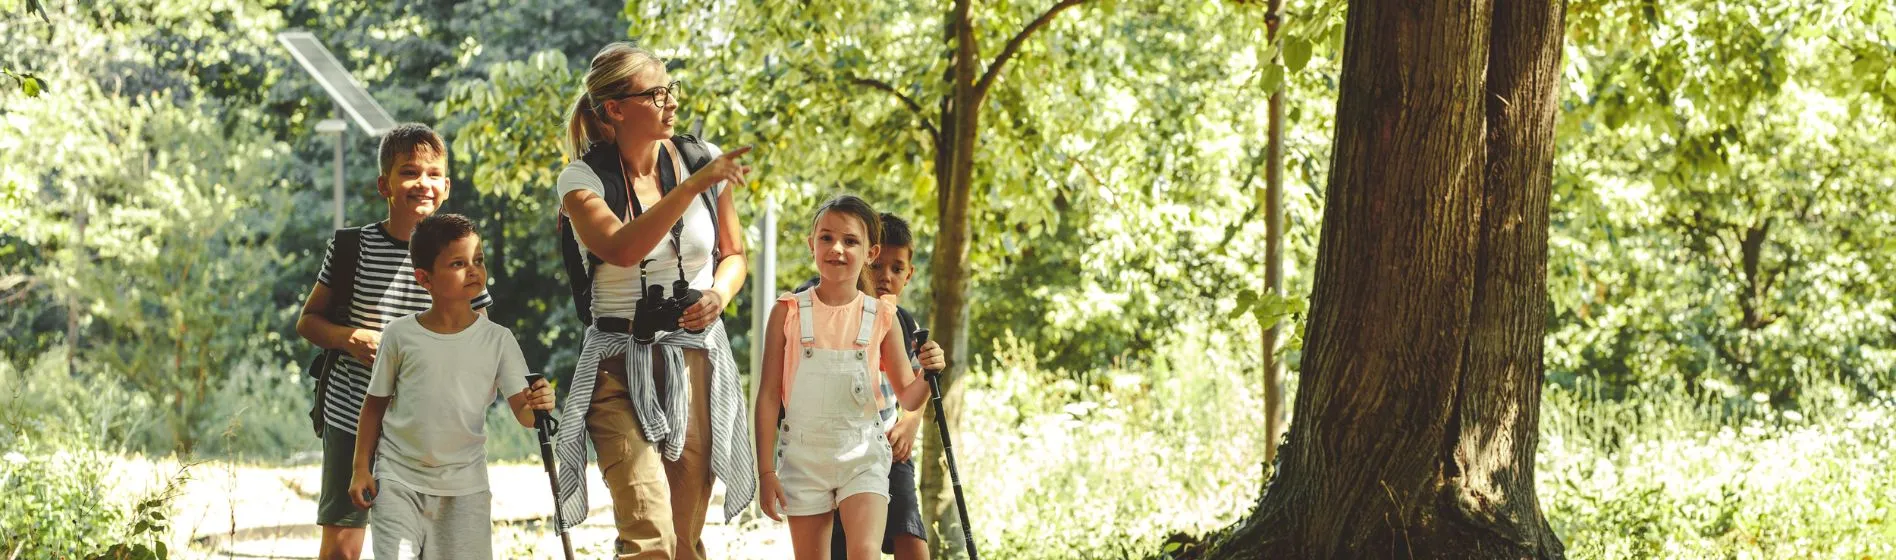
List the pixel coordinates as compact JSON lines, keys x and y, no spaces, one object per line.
{"x":409,"y":525}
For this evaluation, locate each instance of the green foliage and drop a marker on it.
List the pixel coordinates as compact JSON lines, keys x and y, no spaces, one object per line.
{"x":30,"y":84}
{"x":57,"y":500}
{"x":1271,"y":309}
{"x":45,"y":402}
{"x":1098,"y":229}
{"x":1665,"y":474}
{"x":846,"y":99}
{"x":149,"y":227}
{"x":1720,"y":208}
{"x":149,"y":529}
{"x":51,"y":498}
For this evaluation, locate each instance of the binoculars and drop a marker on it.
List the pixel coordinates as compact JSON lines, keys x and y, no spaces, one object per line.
{"x":659,"y":313}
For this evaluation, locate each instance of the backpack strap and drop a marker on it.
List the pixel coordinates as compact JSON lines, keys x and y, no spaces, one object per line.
{"x":345,"y":254}
{"x":906,"y":322}
{"x":603,"y":158}
{"x":696,"y":155}
{"x":581,"y":266}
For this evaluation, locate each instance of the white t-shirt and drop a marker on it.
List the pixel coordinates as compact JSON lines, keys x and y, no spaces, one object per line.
{"x":433,"y":436}
{"x":616,"y":289}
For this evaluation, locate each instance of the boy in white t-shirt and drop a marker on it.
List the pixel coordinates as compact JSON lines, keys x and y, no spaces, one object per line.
{"x":422,"y":426}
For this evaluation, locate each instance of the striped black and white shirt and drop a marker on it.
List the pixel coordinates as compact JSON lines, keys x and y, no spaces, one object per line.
{"x":385,"y":290}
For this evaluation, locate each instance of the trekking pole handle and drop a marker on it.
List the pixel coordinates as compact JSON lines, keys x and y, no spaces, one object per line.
{"x":539,"y":416}
{"x":921,"y":337}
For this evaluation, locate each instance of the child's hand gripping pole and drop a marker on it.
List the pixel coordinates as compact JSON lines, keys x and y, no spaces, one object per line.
{"x":948,"y":449}
{"x":545,"y":428}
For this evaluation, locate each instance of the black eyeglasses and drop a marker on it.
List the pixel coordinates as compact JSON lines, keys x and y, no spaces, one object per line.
{"x":661,"y":95}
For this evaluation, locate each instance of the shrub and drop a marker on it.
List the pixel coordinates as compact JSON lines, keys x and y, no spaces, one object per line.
{"x":54,"y":502}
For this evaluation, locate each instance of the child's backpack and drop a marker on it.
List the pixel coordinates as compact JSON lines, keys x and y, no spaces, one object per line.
{"x":345,"y":249}
{"x":603,"y":157}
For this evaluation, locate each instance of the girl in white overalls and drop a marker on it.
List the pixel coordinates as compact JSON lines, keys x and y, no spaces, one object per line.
{"x":822,"y":349}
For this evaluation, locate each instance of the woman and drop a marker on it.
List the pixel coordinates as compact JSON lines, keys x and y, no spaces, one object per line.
{"x":665,"y":413}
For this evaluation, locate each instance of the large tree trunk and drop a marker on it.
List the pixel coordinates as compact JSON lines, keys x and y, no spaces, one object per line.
{"x":1417,"y":417}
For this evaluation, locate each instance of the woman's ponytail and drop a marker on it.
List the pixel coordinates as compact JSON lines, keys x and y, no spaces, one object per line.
{"x":582,"y":128}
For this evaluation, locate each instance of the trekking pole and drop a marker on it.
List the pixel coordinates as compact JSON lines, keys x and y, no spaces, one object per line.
{"x":543,"y":425}
{"x":948,"y":449}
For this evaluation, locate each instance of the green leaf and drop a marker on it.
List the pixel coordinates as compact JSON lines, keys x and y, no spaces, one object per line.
{"x":1273,"y":78}
{"x":1296,"y":53}
{"x":1246,"y":300}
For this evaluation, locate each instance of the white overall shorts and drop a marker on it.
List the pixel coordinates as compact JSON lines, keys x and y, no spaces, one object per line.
{"x":830,"y":444}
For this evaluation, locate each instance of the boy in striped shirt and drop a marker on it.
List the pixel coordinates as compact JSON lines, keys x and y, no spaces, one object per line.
{"x":414,"y":184}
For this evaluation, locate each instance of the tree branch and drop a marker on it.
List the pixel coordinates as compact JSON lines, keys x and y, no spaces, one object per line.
{"x":906,"y":100}
{"x":934,"y":134}
{"x":1013,"y":45}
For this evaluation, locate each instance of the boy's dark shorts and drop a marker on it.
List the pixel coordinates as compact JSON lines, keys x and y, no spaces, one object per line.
{"x":333,"y":507}
{"x":905,"y":512}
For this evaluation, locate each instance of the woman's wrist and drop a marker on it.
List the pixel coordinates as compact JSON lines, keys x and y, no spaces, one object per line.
{"x":697,"y":184}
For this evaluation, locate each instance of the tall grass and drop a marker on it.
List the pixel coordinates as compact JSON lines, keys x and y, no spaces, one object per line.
{"x":1665,"y":475}
{"x":1110,"y":462}
{"x":1107,"y":463}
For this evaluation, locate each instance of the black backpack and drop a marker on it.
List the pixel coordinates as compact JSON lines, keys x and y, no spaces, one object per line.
{"x":603,"y":157}
{"x":345,"y":251}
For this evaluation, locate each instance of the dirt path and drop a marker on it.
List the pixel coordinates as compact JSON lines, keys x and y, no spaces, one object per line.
{"x":236,"y":511}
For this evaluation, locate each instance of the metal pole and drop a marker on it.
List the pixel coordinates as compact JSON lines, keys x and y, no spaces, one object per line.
{"x":765,"y":292}
{"x":339,"y":134}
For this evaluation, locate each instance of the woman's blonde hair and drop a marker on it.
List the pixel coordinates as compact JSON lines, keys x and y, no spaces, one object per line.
{"x":611,"y":75}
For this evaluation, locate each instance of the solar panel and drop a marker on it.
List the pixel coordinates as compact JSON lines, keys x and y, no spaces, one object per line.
{"x":336,"y":80}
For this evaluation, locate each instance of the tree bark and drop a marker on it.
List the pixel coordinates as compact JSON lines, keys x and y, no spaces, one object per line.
{"x":1418,"y":412}
{"x":1274,"y":254}
{"x":948,"y":270}
{"x":968,"y":85}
